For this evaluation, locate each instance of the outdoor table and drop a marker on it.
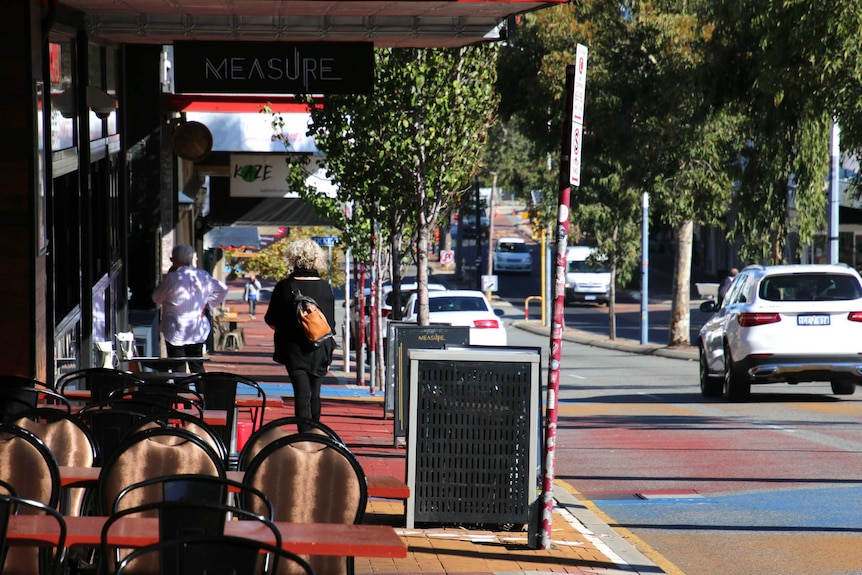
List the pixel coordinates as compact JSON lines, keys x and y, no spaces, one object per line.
{"x":163,"y":363}
{"x":302,"y":538}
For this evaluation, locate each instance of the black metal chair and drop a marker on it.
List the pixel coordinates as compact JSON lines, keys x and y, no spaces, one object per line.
{"x":157,"y":398}
{"x":219,"y":390}
{"x":177,"y":519}
{"x":50,"y":560}
{"x":151,"y":453}
{"x":30,"y":471}
{"x":311,"y":479}
{"x":100,"y":381}
{"x":18,"y":394}
{"x":281,"y":427}
{"x":109,"y":423}
{"x":188,"y":422}
{"x":72,"y":444}
{"x":194,"y":487}
{"x":215,"y":554}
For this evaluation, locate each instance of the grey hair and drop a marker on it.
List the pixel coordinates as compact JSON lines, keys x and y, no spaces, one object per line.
{"x":182,"y":255}
{"x":305,"y":254}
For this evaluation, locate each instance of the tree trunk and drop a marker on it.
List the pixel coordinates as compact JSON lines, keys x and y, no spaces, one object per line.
{"x":424,"y":233}
{"x":680,"y":312}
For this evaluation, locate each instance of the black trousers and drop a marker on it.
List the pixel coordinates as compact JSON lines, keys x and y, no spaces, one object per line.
{"x":306,"y":394}
{"x":188,"y":350}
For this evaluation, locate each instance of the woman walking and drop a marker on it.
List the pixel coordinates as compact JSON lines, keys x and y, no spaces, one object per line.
{"x":307,"y":363}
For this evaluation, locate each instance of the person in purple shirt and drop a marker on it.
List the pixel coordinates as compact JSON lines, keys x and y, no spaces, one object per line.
{"x":184,"y":296}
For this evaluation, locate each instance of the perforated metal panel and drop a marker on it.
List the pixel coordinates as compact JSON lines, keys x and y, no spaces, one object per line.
{"x":472,"y":439}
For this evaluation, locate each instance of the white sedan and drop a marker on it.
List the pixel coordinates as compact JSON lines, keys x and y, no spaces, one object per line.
{"x":466,"y":308}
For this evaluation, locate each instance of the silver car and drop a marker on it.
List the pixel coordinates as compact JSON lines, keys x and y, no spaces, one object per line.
{"x":784,"y":324}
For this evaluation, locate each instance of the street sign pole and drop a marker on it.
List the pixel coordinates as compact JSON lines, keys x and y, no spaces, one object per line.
{"x":569,"y":176}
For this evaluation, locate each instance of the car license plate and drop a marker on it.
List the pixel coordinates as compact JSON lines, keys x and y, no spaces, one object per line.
{"x":589,"y":297}
{"x":812,"y":320}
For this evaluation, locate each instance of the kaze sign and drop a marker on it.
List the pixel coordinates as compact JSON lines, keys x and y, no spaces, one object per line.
{"x":273,"y":67}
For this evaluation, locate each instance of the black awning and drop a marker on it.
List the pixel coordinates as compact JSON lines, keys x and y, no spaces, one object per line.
{"x":228,"y":211}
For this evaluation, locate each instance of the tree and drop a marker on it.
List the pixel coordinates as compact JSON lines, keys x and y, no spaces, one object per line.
{"x":406,"y":154}
{"x":648,"y":128}
{"x":794,"y":66}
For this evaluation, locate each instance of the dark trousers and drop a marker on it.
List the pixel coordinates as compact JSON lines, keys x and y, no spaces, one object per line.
{"x":188,"y":350}
{"x":306,"y":394}
{"x":252,"y":305}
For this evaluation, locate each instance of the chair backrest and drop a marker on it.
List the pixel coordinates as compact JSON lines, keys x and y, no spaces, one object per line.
{"x":159,"y":398}
{"x":152,"y":453}
{"x":26,"y":559}
{"x":28,"y":465}
{"x":18,"y":394}
{"x":281,"y":427}
{"x":196,"y":488}
{"x":189,"y":422}
{"x":311,"y":479}
{"x":109,"y":423}
{"x":29,"y":468}
{"x":177,"y":519}
{"x":101,"y":381}
{"x":216,"y":554}
{"x":71,"y":443}
{"x":220,"y":390}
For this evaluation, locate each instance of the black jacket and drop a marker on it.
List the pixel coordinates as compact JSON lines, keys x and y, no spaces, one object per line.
{"x":291,"y":348}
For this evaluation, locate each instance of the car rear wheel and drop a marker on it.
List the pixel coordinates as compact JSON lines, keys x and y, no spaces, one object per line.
{"x":710,"y":386}
{"x":843,"y":387}
{"x":735,"y":387}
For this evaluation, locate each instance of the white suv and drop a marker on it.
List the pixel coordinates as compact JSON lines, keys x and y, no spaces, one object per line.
{"x":784,"y":324}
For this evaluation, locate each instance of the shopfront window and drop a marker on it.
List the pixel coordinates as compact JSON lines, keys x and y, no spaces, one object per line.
{"x":60,"y":54}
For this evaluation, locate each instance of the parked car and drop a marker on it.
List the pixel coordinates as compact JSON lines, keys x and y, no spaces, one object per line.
{"x":388,"y":298}
{"x":512,"y":255}
{"x":783,"y":324}
{"x":463,"y":307}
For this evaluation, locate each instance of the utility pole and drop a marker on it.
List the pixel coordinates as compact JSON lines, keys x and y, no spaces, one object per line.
{"x":490,"y":266}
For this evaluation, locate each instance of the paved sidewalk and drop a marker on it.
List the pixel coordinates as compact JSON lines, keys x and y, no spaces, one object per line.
{"x":581,"y":542}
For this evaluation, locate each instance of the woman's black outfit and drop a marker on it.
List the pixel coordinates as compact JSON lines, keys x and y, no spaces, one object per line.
{"x":306,"y":363}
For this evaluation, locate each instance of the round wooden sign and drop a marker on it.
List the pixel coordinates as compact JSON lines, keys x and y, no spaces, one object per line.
{"x":192,"y":141}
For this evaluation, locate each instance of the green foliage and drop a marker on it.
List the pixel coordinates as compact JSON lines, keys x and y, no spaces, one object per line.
{"x":269,"y":262}
{"x":791,"y":65}
{"x":406,"y":153}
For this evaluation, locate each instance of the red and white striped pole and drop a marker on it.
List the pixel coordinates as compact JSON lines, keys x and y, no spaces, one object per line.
{"x":569,"y":176}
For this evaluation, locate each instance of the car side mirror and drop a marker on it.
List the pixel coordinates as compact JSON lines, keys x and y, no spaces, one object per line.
{"x":498,"y":312}
{"x":709,"y":306}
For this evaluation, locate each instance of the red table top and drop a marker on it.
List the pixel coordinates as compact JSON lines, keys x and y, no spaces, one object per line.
{"x":303,"y":538}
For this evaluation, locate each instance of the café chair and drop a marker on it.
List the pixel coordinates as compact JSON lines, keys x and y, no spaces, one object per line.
{"x":18,"y":394}
{"x":311,"y":478}
{"x":28,"y":465}
{"x":281,"y":427}
{"x":176,"y":519}
{"x":101,"y":381}
{"x":155,"y":452}
{"x":157,"y":398}
{"x":216,"y":554}
{"x":219,"y":390}
{"x":194,"y":488}
{"x":50,"y":561}
{"x":109,"y":423}
{"x":30,"y":471}
{"x":189,"y":422}
{"x":71,"y":443}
